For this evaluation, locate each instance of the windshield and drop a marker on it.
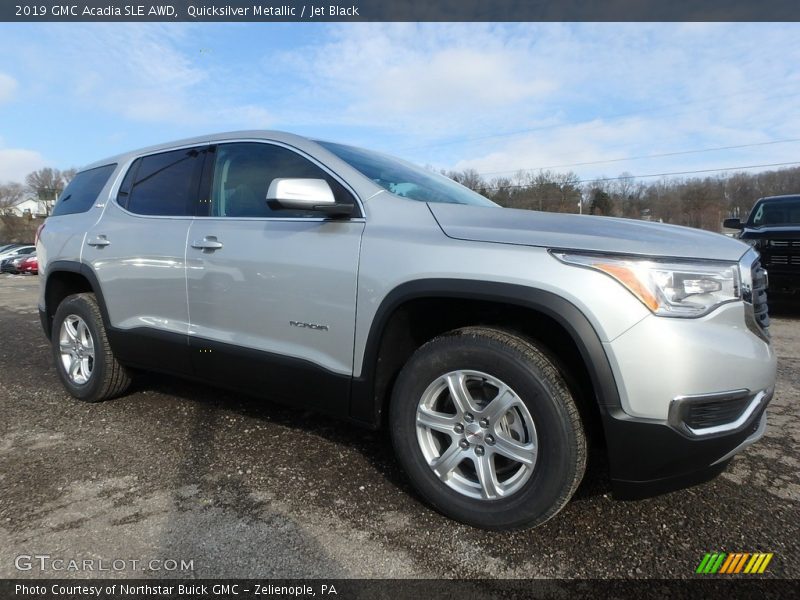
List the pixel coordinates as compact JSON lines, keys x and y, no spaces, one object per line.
{"x":404,"y":179}
{"x":776,"y":212}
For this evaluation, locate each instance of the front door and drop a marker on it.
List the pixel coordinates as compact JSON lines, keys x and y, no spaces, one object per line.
{"x":272,"y":292}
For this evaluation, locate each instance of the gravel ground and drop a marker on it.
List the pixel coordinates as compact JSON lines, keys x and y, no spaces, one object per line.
{"x":244,"y":488}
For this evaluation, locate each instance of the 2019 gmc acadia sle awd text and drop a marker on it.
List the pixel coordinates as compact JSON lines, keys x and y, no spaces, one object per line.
{"x":493,"y":345}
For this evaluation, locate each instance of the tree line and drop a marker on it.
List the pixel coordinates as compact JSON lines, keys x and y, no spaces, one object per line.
{"x":695,"y":202}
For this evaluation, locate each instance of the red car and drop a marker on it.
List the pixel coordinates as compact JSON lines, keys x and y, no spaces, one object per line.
{"x":29,"y":265}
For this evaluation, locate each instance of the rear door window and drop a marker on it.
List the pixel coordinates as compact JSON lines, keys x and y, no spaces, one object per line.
{"x":83,"y":190}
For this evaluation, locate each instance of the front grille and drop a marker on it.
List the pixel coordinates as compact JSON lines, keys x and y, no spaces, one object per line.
{"x":760,"y":309}
{"x":781,"y":259}
{"x":783,"y":243}
{"x":711,"y":413}
{"x":783,"y":254}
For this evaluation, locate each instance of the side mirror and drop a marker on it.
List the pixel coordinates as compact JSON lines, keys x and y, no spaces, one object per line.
{"x":306,"y":194}
{"x":732,"y":224}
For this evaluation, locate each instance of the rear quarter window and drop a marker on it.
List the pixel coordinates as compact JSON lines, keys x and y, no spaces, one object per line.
{"x":163,"y":184}
{"x":82,"y":191}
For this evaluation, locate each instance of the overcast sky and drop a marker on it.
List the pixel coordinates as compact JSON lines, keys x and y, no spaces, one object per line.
{"x":493,"y":97}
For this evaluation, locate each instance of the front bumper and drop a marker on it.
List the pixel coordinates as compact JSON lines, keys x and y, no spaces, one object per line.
{"x":692,"y":393}
{"x":651,"y":457}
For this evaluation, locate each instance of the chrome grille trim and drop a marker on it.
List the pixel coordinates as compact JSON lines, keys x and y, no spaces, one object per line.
{"x":754,"y":293}
{"x":760,"y":307}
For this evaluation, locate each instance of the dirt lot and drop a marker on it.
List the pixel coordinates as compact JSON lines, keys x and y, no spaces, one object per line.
{"x":246,"y":489}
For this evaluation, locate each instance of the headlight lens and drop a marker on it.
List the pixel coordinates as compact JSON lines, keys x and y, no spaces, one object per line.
{"x":669,"y":289}
{"x":754,"y":242}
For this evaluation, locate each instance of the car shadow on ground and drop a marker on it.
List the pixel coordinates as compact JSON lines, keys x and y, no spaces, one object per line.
{"x":374,"y":445}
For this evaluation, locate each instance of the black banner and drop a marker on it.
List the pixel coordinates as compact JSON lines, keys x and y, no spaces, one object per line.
{"x":401,"y":10}
{"x":409,"y":589}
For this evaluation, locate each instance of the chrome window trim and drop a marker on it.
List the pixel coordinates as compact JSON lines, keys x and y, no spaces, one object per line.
{"x":126,"y":165}
{"x":114,"y":192}
{"x":295,"y":219}
{"x":311,"y":159}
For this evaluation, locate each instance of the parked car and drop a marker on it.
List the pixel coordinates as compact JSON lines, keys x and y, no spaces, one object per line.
{"x":8,"y":260}
{"x":29,"y":265}
{"x":12,"y":264}
{"x":5,"y":247}
{"x":15,"y":251}
{"x":493,"y":345}
{"x":773,"y":228}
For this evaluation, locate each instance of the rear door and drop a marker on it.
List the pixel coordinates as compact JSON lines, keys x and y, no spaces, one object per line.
{"x":137,"y":250}
{"x":272,"y":292}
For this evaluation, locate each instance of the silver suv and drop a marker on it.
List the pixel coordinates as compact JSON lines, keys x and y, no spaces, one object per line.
{"x":494,"y":345}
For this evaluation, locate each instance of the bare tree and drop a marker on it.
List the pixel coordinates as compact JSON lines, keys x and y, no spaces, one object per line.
{"x":45,"y":182}
{"x":468,"y":178}
{"x":68,"y":175}
{"x":501,"y":190}
{"x":10,"y":194}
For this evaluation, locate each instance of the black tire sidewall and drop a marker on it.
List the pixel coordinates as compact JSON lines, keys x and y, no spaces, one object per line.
{"x":554,"y":471}
{"x":81,"y":307}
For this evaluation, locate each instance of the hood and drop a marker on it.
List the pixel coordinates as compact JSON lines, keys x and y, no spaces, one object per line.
{"x":583,"y":232}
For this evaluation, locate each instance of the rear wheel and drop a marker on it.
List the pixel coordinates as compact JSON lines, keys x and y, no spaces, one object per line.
{"x":84,"y":360}
{"x":487,"y":429}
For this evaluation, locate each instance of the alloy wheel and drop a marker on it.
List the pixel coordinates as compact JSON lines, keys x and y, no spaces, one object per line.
{"x":76,"y":348}
{"x":476,"y":435}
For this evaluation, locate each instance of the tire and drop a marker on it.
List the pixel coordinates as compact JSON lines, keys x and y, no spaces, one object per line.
{"x":98,"y":375}
{"x":534,"y":420}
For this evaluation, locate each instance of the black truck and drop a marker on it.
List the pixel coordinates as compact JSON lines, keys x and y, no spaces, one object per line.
{"x":773,"y":228}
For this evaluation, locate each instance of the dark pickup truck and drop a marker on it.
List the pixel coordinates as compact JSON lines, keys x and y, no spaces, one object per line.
{"x":773,"y":228}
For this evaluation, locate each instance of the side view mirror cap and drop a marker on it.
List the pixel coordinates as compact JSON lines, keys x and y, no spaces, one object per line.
{"x":303,"y":194}
{"x":307,"y":194}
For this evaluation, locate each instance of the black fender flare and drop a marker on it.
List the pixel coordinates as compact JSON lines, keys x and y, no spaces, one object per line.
{"x":79,"y":268}
{"x":365,"y":407}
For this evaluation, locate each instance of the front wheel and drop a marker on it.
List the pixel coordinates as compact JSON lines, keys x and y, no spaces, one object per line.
{"x":487,"y":429}
{"x":84,"y":359}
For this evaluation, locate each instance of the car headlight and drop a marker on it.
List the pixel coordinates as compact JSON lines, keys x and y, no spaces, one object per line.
{"x":667,"y":288}
{"x":754,"y":242}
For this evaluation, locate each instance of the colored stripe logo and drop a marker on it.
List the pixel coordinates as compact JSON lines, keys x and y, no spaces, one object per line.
{"x":735,"y":562}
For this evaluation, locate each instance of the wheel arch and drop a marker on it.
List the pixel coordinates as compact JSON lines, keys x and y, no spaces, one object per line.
{"x":64,"y":278}
{"x":455,"y":302}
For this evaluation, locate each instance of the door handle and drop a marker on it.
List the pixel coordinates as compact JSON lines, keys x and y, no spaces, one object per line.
{"x":207,"y":243}
{"x":98,"y":242}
